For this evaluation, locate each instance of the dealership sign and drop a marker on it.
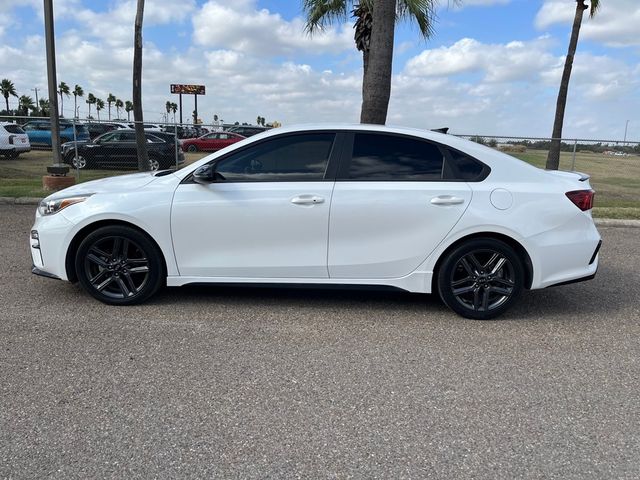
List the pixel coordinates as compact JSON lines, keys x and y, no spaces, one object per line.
{"x":187,"y":89}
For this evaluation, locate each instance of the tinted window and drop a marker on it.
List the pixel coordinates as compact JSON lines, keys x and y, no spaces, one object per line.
{"x":292,"y":158}
{"x":392,"y":157}
{"x":13,"y":129}
{"x":459,"y":166}
{"x":108,"y":137}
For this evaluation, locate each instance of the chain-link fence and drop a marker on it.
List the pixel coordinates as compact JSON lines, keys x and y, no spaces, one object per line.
{"x":614,"y":165}
{"x":94,"y":149}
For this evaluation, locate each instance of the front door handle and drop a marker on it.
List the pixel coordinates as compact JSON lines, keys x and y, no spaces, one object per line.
{"x":447,"y":200}
{"x":307,"y":200}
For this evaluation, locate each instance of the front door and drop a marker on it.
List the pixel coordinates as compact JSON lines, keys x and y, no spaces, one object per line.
{"x":266,"y":217}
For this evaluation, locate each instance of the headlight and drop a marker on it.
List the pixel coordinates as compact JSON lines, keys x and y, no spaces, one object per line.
{"x":49,"y":207}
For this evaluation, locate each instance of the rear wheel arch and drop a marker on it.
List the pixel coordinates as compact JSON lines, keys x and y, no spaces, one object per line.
{"x":70,"y":258}
{"x":514,"y":244}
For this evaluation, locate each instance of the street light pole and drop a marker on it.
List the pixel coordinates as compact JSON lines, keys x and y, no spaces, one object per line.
{"x":625,"y":131}
{"x":52,"y":84}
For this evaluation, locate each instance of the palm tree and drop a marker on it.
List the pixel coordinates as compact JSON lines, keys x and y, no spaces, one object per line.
{"x":553,"y":158}
{"x":128,"y":107}
{"x":110,"y":99}
{"x":7,"y":88}
{"x":174,"y":109}
{"x":77,"y":92}
{"x":91,"y":99}
{"x":26,"y":104}
{"x":63,"y":91}
{"x":119,"y":105}
{"x":44,"y":106}
{"x":376,"y":85}
{"x":138,"y":117}
{"x":99,"y":106}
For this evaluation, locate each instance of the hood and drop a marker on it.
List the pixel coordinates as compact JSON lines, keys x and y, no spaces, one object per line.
{"x":120,"y":183}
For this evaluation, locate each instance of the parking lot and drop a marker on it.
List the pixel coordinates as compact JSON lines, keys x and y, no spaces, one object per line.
{"x":232,"y":382}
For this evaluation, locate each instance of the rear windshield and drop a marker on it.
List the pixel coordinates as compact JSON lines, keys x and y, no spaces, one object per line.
{"x":14,"y":129}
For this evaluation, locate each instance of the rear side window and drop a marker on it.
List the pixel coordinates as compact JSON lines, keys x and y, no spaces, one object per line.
{"x":394,"y":158}
{"x":459,"y":166}
{"x":14,"y":129}
{"x":284,"y":159}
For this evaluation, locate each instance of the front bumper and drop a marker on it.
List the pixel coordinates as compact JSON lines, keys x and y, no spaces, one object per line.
{"x":36,"y":271}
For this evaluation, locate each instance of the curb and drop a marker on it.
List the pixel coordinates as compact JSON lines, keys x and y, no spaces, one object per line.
{"x":615,"y":222}
{"x":601,"y":222}
{"x":19,"y":200}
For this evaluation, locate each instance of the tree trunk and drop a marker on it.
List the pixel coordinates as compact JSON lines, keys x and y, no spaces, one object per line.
{"x":141,"y":141}
{"x":6,"y":99}
{"x":553,"y":158}
{"x":376,"y":84}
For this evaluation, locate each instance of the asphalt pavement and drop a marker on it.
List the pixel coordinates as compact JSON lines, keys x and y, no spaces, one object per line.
{"x":212,"y":382}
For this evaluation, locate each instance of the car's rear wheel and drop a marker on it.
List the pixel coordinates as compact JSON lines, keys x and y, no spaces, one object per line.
{"x":119,"y":265}
{"x":481,"y":278}
{"x":154,"y":164}
{"x":192,"y":148}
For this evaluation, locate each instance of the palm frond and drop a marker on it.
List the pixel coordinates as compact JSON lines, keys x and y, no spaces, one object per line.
{"x":595,"y":5}
{"x":422,"y":12}
{"x":321,"y":13}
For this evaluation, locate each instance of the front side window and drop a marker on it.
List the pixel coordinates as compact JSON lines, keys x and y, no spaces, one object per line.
{"x":394,"y":158}
{"x":284,"y":159}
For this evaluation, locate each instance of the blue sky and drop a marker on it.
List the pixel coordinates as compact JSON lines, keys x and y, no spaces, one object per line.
{"x":492,"y":67}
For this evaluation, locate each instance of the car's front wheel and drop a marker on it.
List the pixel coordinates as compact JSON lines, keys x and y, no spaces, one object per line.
{"x":78,"y":162}
{"x":481,"y":278}
{"x":192,"y":148}
{"x":119,"y":265}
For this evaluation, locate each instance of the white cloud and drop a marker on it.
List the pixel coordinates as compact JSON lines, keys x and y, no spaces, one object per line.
{"x":513,"y":61}
{"x":240,"y":26}
{"x":615,"y":24}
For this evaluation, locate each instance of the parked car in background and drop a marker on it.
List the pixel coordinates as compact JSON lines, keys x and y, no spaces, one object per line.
{"x":97,"y":129}
{"x":13,"y":140}
{"x":39,"y":132}
{"x":117,"y":149}
{"x":247,"y":130}
{"x":151,"y":127}
{"x":211,"y":142}
{"x":329,"y":204}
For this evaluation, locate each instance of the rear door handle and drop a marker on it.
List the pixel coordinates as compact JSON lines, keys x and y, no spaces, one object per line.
{"x":307,"y":200}
{"x":447,"y":200}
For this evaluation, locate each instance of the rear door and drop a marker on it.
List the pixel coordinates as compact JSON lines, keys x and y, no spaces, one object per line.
{"x":392,"y":205}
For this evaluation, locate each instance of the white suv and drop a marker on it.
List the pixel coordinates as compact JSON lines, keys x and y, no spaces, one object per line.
{"x":13,"y":140}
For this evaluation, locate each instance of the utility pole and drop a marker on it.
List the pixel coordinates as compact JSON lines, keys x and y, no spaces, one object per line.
{"x":52,"y":83}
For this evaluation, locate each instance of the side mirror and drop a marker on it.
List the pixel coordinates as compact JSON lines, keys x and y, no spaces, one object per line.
{"x":207,"y":174}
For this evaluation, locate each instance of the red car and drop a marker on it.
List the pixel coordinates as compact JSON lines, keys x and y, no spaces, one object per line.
{"x":211,"y":142}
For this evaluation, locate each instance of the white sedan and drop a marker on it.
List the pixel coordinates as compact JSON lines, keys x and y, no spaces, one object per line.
{"x":330,"y":204}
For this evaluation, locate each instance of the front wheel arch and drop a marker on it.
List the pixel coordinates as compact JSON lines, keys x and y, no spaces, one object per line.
{"x":88,"y":229}
{"x":517,"y":246}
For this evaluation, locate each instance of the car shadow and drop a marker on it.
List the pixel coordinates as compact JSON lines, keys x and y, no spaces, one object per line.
{"x":601,"y":296}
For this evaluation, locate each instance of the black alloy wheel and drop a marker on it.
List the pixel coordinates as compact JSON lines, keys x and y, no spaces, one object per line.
{"x":481,"y":279}
{"x":119,"y":265}
{"x":192,"y":148}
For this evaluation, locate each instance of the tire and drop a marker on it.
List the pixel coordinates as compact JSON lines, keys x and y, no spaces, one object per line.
{"x":481,"y":278}
{"x":154,"y":164}
{"x":192,"y":148}
{"x":80,"y":163}
{"x":119,"y":265}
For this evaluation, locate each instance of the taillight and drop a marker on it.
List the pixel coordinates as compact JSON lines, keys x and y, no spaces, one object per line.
{"x":583,"y":199}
